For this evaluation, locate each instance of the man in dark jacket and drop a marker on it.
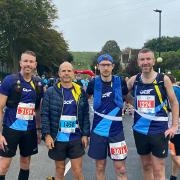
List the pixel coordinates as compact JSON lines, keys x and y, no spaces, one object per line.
{"x":65,"y":122}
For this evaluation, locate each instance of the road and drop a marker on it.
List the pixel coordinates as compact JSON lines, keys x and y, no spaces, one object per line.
{"x":42,"y":166}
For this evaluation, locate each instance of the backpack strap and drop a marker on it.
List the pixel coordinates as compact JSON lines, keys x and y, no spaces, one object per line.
{"x":15,"y":96}
{"x":158,"y":92}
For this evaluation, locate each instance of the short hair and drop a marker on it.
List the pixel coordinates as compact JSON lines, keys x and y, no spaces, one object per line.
{"x":171,"y":77}
{"x":29,"y":52}
{"x":145,"y":50}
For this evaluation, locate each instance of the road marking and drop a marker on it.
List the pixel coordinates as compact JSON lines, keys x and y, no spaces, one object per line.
{"x":67,"y":167}
{"x":91,"y":108}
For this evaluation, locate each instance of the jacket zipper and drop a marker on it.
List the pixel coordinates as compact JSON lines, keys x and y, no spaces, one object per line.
{"x":61,"y":114}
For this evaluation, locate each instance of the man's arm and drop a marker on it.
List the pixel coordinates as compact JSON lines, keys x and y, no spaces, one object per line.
{"x":174,"y":107}
{"x":3,"y":100}
{"x":130,"y":84}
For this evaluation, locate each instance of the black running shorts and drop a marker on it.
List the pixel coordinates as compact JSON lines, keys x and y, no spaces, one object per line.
{"x":62,"y":150}
{"x":156,"y":144}
{"x":27,"y":141}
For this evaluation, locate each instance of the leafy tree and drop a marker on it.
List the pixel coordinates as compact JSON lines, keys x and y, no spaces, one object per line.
{"x":27,"y":24}
{"x":111,"y":47}
{"x":166,"y":44}
{"x":132,"y":68}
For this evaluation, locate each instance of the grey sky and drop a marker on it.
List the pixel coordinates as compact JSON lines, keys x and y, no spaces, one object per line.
{"x":88,"y":24}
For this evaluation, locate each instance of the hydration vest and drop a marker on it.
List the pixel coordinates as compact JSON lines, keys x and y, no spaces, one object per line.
{"x":16,"y":91}
{"x":117,"y":90}
{"x":157,"y":83}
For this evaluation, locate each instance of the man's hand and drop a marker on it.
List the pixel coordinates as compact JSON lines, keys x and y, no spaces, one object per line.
{"x":49,"y":142}
{"x":2,"y":142}
{"x":171,"y":131}
{"x":84,"y":140}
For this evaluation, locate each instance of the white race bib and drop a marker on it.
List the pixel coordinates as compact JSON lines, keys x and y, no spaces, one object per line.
{"x":68,"y":124}
{"x":25,"y":111}
{"x":146,"y":104}
{"x":118,"y":151}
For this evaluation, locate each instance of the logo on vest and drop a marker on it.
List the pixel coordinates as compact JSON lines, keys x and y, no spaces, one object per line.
{"x":68,"y":102}
{"x":148,"y":91}
{"x":26,"y":90}
{"x":108,"y":94}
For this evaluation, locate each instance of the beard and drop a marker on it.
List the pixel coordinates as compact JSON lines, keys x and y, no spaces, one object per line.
{"x":106,"y":74}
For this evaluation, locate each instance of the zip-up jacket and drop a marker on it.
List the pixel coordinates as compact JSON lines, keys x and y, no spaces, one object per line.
{"x":52,"y":107}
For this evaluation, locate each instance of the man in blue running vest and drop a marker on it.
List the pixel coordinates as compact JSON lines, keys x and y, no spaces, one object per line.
{"x":18,"y":95}
{"x":107,"y":136}
{"x":151,"y":92}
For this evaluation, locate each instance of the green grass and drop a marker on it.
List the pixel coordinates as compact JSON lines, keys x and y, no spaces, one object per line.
{"x":83,"y":60}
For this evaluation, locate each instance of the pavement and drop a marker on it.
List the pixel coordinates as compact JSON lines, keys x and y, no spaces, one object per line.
{"x":42,"y":166}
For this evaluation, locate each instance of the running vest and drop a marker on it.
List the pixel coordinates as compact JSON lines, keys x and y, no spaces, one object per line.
{"x":151,"y":114}
{"x":15,"y":96}
{"x":117,"y":89}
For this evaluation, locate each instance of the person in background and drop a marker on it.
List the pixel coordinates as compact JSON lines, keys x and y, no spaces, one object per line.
{"x":174,"y":144}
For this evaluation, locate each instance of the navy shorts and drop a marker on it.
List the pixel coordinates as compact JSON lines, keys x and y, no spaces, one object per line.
{"x":156,"y":144}
{"x":27,"y":141}
{"x":62,"y":150}
{"x":100,"y":147}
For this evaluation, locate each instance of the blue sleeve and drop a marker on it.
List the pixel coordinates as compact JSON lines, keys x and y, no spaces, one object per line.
{"x":7,"y":85}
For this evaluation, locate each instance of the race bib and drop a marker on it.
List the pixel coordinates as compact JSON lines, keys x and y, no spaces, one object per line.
{"x":146,"y":104}
{"x":118,"y":151}
{"x":25,"y":111}
{"x":68,"y":124}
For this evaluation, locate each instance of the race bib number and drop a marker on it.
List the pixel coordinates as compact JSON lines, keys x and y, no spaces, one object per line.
{"x":25,"y":111}
{"x":146,"y":104}
{"x":118,"y":151}
{"x":68,"y":124}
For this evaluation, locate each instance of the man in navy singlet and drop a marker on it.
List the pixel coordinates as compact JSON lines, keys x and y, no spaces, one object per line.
{"x":65,"y":122}
{"x":18,"y":95}
{"x":107,"y":136}
{"x":151,"y":92}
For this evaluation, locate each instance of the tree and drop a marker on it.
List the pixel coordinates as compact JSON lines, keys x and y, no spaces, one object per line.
{"x":132,"y":68}
{"x":167,"y":44}
{"x":27,"y":24}
{"x":111,"y":47}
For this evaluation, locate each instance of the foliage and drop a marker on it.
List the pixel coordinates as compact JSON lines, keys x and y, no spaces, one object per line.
{"x":27,"y":24}
{"x":132,"y":68}
{"x":166,"y":44}
{"x":83,"y":60}
{"x":111,"y":47}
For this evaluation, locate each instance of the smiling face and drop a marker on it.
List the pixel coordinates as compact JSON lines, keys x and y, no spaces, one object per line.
{"x":66,"y":72}
{"x":146,"y":61}
{"x":27,"y":63}
{"x":105,"y":67}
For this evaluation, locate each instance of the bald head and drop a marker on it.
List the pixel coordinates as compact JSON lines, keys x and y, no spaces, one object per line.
{"x":66,"y":72}
{"x":65,"y":64}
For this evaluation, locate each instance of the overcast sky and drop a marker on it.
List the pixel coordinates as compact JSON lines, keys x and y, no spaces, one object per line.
{"x":88,"y":24}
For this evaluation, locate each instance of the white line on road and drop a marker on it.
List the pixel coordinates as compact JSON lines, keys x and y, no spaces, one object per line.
{"x":67,"y":167}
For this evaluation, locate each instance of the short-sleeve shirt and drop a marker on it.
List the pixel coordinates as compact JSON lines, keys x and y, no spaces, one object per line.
{"x":21,"y":117}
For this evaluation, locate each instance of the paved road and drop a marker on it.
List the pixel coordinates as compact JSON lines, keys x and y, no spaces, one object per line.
{"x":42,"y":166}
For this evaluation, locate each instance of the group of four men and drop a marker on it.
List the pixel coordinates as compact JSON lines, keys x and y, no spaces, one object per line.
{"x":65,"y":118}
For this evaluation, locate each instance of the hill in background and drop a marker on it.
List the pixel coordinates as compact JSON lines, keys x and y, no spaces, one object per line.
{"x":83,"y":60}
